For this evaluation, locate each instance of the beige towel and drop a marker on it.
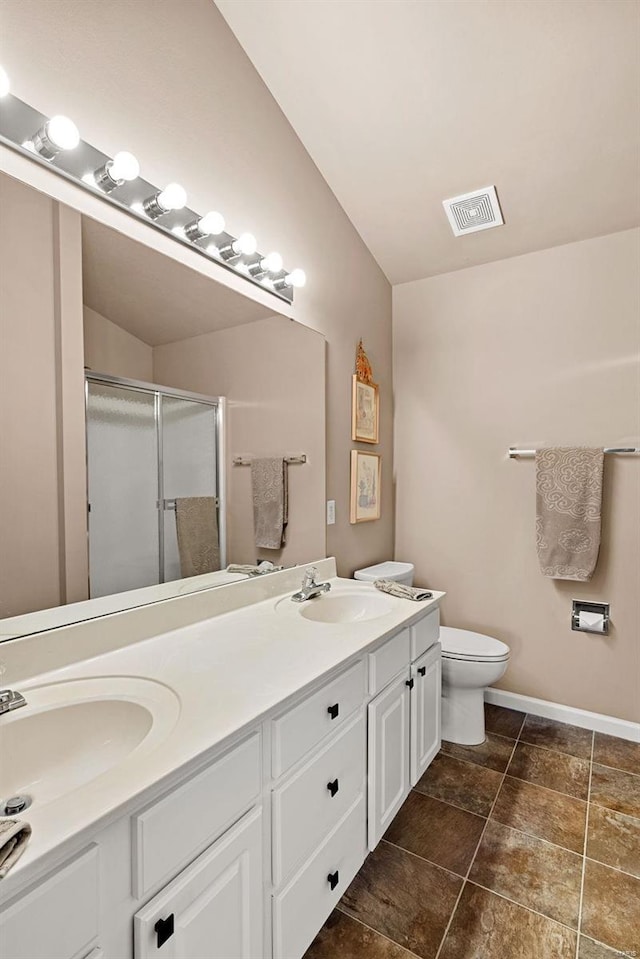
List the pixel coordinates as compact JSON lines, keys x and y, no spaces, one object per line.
{"x":14,"y":836}
{"x":270,"y":501}
{"x":569,"y":507}
{"x":197,"y":528}
{"x":402,"y":591}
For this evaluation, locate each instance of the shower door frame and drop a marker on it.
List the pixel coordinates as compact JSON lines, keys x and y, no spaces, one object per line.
{"x":154,"y":389}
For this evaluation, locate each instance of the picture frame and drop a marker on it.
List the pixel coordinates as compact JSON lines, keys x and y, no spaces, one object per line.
{"x":366,"y":475}
{"x":365,"y":411}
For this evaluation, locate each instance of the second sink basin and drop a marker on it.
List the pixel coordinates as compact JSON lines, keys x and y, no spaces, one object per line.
{"x":340,"y":605}
{"x":70,"y":733}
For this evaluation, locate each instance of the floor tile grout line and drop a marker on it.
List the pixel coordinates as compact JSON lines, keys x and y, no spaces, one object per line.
{"x":584,"y":848}
{"x":557,"y":752}
{"x":376,"y":931}
{"x":617,"y":769}
{"x":521,"y":905}
{"x":593,"y":802}
{"x":558,"y":792}
{"x":417,"y":855}
{"x":473,"y":858}
{"x":447,"y":802}
{"x":607,"y":865}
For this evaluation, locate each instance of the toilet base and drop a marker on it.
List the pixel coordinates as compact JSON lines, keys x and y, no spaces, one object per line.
{"x":463,"y":715}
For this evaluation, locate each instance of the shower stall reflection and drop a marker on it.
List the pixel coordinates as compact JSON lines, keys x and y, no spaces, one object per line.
{"x":147,"y":446}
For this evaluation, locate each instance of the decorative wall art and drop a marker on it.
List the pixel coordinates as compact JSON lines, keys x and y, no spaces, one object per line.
{"x":366,"y":471}
{"x":365,"y":401}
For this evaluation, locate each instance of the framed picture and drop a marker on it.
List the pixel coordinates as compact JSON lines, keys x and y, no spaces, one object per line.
{"x":366,"y":471}
{"x":365,"y":411}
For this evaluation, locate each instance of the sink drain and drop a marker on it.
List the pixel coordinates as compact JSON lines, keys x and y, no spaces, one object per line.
{"x":15,"y":805}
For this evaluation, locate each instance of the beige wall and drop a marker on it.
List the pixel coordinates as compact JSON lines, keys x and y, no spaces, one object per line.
{"x":273,"y":375}
{"x":110,"y":349}
{"x":537,"y":350}
{"x":219,"y":131}
{"x":43,"y":559}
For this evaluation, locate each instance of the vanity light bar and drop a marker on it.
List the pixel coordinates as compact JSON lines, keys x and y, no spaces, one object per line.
{"x":56,"y":142}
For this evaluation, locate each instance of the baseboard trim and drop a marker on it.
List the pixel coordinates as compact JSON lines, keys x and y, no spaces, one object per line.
{"x":601,"y":723}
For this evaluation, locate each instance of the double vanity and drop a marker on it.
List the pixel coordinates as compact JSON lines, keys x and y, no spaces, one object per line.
{"x":206,"y":775}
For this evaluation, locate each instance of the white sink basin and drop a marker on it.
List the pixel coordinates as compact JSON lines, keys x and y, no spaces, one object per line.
{"x":340,"y":605}
{"x":70,"y":733}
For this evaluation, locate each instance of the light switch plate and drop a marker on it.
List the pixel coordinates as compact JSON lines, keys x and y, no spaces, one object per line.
{"x":331,"y":512}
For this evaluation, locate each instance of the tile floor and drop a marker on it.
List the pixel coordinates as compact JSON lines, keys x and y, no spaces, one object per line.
{"x":527,"y":847}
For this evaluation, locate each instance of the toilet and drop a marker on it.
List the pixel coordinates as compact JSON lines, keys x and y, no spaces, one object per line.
{"x":470,"y":662}
{"x":398,"y":572}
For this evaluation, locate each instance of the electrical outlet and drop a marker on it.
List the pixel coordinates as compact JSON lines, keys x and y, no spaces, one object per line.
{"x":331,"y":512}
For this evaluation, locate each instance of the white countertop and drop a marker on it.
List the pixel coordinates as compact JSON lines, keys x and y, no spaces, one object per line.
{"x":227,"y":673}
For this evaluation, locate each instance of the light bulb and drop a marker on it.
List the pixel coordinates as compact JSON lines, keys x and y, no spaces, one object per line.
{"x":63,"y":133}
{"x":5,"y":86}
{"x":59,"y":133}
{"x":271,"y":263}
{"x":173,"y":197}
{"x":246,"y":244}
{"x":124,"y":166}
{"x":211,"y":224}
{"x":296,"y":278}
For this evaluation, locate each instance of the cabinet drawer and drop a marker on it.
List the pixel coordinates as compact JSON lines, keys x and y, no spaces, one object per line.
{"x":301,"y":908}
{"x":425,"y":633}
{"x":308,"y":806}
{"x":59,"y":918}
{"x":301,"y":728}
{"x":387,"y":661}
{"x":174,"y":830}
{"x":214,"y":908}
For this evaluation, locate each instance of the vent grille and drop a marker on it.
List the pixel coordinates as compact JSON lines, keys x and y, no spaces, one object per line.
{"x":474,"y":211}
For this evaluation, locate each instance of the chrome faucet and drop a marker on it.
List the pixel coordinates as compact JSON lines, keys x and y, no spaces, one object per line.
{"x":310,"y":589}
{"x":9,"y":700}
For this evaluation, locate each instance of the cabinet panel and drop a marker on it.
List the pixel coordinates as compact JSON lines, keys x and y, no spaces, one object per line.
{"x":301,"y":908}
{"x":301,"y":728}
{"x":425,"y":633}
{"x":387,"y":661}
{"x":214,"y":907}
{"x":175,"y":829}
{"x":308,"y":806}
{"x":388,"y":755}
{"x":59,"y":918}
{"x":426,"y":701}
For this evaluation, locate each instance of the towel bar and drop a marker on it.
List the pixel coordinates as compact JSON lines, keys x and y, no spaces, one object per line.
{"x":290,"y":460}
{"x":516,"y":453}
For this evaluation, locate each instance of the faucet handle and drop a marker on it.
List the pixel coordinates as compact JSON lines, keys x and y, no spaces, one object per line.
{"x":309,"y":577}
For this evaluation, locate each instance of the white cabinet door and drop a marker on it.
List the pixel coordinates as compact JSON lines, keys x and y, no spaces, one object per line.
{"x":214,"y":907}
{"x":425,"y":711}
{"x":388,"y":755}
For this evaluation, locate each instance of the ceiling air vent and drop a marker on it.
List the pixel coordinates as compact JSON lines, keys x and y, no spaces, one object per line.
{"x":475,"y":211}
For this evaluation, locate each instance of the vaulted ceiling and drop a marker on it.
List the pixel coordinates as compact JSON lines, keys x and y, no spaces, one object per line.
{"x":403,"y":103}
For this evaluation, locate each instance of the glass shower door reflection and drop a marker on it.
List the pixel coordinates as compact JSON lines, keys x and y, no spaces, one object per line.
{"x":122,"y":455}
{"x":189,"y":465}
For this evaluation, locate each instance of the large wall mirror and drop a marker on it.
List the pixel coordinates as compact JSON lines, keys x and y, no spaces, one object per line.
{"x":147,"y":412}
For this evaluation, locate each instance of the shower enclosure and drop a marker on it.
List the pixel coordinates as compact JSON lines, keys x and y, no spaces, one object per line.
{"x":146,"y":446}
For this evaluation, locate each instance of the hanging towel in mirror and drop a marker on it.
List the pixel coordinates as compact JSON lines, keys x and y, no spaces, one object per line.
{"x":270,"y":501}
{"x":197,"y":528}
{"x":568,"y":511}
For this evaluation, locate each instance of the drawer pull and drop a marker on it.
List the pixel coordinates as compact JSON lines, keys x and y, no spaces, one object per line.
{"x":422,"y":670}
{"x":333,"y":878}
{"x":334,"y":710}
{"x":333,"y":787}
{"x":164,"y":930}
{"x":409,"y":683}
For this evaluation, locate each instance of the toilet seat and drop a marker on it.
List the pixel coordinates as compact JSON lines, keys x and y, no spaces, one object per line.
{"x":464,"y":645}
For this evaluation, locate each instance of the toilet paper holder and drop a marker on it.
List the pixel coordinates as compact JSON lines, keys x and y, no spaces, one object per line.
{"x":590,"y":617}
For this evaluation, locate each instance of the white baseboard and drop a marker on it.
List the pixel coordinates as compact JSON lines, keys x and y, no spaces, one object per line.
{"x":601,"y":723}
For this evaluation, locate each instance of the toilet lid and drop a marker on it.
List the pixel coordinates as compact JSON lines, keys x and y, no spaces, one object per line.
{"x":464,"y":644}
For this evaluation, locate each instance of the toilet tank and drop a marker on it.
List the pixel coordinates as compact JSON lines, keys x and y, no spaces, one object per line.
{"x":399,"y":572}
